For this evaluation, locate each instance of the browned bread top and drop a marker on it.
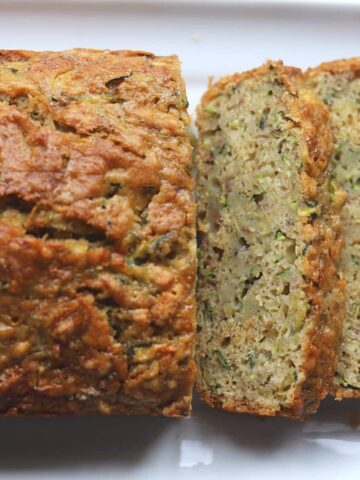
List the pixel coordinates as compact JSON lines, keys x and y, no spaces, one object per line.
{"x":97,"y":257}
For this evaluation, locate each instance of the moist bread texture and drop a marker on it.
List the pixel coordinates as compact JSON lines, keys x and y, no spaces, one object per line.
{"x":97,"y":228}
{"x":338,"y":85}
{"x":270,"y":302}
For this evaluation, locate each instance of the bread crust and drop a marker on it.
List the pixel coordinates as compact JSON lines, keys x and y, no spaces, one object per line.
{"x":97,"y":229}
{"x":350,"y":66}
{"x":336,"y":66}
{"x":321,"y":278}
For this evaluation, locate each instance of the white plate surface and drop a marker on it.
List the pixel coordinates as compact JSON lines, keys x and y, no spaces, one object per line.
{"x":211,"y":38}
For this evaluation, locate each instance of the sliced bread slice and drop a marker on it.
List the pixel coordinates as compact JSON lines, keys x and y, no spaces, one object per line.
{"x":338,"y":85}
{"x":270,"y":301}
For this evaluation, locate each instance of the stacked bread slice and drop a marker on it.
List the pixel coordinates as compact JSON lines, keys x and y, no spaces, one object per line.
{"x":271,"y":294}
{"x":338,"y":85}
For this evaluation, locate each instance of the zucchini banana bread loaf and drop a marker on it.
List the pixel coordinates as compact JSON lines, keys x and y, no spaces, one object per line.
{"x":270,"y":302}
{"x":97,"y":254}
{"x":338,"y":85}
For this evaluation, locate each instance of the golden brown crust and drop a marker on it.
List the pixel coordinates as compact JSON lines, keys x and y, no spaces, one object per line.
{"x":336,"y":66}
{"x":215,"y":89}
{"x":342,"y":393}
{"x":351,"y":67}
{"x":97,"y":257}
{"x":322,"y":284}
{"x":325,"y":286}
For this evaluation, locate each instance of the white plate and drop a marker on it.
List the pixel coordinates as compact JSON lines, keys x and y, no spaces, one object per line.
{"x":212,"y":38}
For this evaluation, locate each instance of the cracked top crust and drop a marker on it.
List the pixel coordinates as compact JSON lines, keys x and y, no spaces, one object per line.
{"x":97,"y":256}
